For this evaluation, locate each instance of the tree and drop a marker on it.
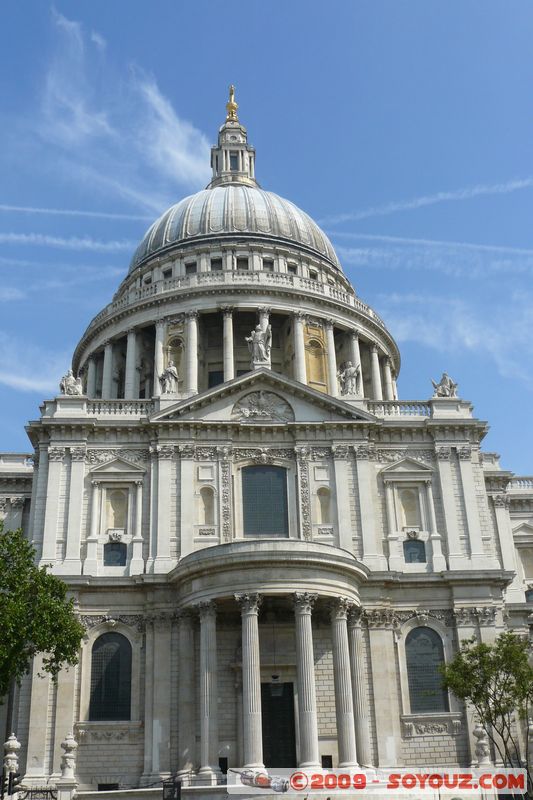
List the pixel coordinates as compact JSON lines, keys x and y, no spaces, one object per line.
{"x":35,"y":615}
{"x":497,"y":681}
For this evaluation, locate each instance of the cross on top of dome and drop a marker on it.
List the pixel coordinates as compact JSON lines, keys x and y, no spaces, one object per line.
{"x":232,"y":159}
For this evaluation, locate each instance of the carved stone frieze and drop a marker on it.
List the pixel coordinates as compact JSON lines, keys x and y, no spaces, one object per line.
{"x":464,"y":453}
{"x":304,"y":496}
{"x":56,"y":453}
{"x":78,"y":453}
{"x":166,"y":451}
{"x":365,"y":452}
{"x":103,"y":456}
{"x":186,"y":450}
{"x":117,"y":732}
{"x":205,"y":453}
{"x":431,"y":725}
{"x":262,"y":406}
{"x":262,"y":455}
{"x":391,"y":456}
{"x":391,"y":618}
{"x":206,"y":532}
{"x":321,"y":453}
{"x":501,"y":500}
{"x":325,"y":531}
{"x":136,"y":621}
{"x":225,"y":482}
{"x":471,"y":615}
{"x":340,"y":451}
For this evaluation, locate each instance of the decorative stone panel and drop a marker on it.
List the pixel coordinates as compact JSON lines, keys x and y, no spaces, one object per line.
{"x":414,"y":725}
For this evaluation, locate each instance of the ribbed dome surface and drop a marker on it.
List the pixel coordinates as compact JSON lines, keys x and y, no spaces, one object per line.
{"x":230,"y":210}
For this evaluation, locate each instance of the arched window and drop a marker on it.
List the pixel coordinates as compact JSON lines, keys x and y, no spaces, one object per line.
{"x":316,"y":364}
{"x":115,"y":554}
{"x":264,"y":495}
{"x":424,"y":654}
{"x":414,"y":551}
{"x":207,"y":506}
{"x":410,"y":508}
{"x":110,"y":678}
{"x":324,"y":505}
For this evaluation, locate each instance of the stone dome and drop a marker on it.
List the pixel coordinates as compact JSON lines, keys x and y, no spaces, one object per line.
{"x":227,"y":210}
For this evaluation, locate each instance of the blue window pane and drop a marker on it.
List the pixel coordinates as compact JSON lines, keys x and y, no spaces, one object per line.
{"x":110,"y":678}
{"x":529,"y":596}
{"x":264,"y":492}
{"x":115,"y":554}
{"x":424,"y":654}
{"x":414,"y":551}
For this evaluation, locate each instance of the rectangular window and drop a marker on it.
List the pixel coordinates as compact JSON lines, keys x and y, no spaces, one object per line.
{"x":216,"y":265}
{"x":264,"y":492}
{"x":242,"y":264}
{"x":292,"y":269}
{"x":268,"y":265}
{"x":167,"y":273}
{"x":313,"y":275}
{"x":234,"y":161}
{"x":215,"y":377}
{"x":190,"y":268}
{"x":147,"y":280}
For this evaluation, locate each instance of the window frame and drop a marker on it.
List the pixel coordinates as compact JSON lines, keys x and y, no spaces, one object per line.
{"x":130,"y":655}
{"x":292,"y":514}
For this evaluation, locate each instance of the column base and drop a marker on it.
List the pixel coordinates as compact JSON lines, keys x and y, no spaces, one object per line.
{"x":163,"y":565}
{"x":136,"y":566}
{"x":207,"y":776}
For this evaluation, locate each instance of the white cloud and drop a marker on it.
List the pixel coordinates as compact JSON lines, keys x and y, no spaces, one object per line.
{"x":29,"y":368}
{"x":68,"y":243}
{"x":465,"y":193}
{"x":98,"y":40}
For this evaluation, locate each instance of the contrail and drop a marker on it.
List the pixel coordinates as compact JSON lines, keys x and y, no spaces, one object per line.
{"x":431,"y":199}
{"x":487,"y":248}
{"x":70,"y":212}
{"x":72,"y":243}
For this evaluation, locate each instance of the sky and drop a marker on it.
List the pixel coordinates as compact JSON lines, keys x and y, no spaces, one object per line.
{"x":404,"y":127}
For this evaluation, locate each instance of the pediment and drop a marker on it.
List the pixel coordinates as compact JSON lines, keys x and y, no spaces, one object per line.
{"x":524,"y":529}
{"x":118,"y":466}
{"x":263,"y":398}
{"x":407,"y":467}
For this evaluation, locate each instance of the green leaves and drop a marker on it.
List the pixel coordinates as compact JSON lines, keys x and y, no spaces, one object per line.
{"x":35,"y":615}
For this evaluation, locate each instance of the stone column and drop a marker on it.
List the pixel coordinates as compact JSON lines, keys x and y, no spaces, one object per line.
{"x":396,"y":557}
{"x":131,"y":366}
{"x":394,"y":389}
{"x":209,"y":769}
{"x":305,"y":675}
{"x":355,"y":358}
{"x":343,"y":482}
{"x":91,"y":377}
{"x":149,"y":677}
{"x":477,"y":552}
{"x":163,"y":562}
{"x":107,"y":376}
{"x":55,"y":468}
{"x":159,"y":362}
{"x":342,"y":684}
{"x":387,"y":374}
{"x":366,"y":483}
{"x":229,"y":364}
{"x":439,"y":562}
{"x":456,"y":559}
{"x":187,"y":507}
{"x":251,"y":681}
{"x":376,"y":375}
{"x":13,"y":518}
{"x":137,"y":561}
{"x":186,"y":716}
{"x":360,"y":702}
{"x":161,"y":693}
{"x":72,"y":563}
{"x":300,"y":372}
{"x":91,"y":557}
{"x":192,"y":352}
{"x":501,"y":503}
{"x":332,"y":359}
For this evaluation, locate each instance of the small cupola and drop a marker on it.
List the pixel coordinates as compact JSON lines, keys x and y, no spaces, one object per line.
{"x":233,"y":159}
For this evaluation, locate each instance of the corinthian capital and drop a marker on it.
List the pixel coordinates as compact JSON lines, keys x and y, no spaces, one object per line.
{"x":304,"y":602}
{"x":250,"y":602}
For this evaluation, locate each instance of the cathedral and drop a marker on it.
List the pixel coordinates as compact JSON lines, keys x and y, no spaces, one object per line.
{"x":270,"y":551}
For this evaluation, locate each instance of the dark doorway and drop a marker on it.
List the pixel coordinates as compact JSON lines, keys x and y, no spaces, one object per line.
{"x":277,"y":705}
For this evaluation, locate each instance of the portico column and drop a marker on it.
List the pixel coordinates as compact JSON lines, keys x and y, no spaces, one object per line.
{"x":186,"y":737}
{"x":251,"y":681}
{"x":300,"y":372}
{"x":192,"y":352}
{"x":394,"y":389}
{"x":91,"y":377}
{"x":360,"y":703}
{"x":332,"y":359}
{"x":389,"y":392}
{"x":355,"y":357}
{"x":107,"y":376}
{"x":131,"y":363}
{"x":305,"y":675}
{"x":229,"y":366}
{"x":55,"y":468}
{"x":209,"y":768}
{"x":72,"y":563}
{"x":376,"y":376}
{"x":91,"y":557}
{"x":160,"y":332}
{"x":342,"y":683}
{"x":439,"y":562}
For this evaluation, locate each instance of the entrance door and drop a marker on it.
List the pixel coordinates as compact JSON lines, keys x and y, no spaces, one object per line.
{"x":279,"y":746}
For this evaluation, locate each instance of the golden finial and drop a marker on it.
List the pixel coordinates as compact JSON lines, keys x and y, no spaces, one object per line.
{"x":231,"y":106}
